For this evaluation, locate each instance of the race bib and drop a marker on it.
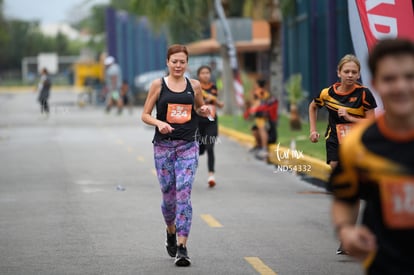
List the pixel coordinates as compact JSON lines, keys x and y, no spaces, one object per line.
{"x":179,"y":113}
{"x":397,"y":201}
{"x":342,"y":130}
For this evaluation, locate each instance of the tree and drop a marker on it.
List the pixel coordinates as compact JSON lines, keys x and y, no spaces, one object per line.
{"x":61,"y":44}
{"x":19,"y":38}
{"x":295,"y":95}
{"x":95,"y":22}
{"x":4,"y":38}
{"x":24,"y":38}
{"x":122,"y":4}
{"x":185,"y":20}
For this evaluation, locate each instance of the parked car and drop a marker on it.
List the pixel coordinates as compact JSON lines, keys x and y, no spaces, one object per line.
{"x":142,"y":84}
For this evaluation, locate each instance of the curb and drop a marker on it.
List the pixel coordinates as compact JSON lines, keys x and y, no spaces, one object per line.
{"x":286,"y":159}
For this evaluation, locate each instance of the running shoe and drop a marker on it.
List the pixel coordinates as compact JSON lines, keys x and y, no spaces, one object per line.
{"x":255,"y":149}
{"x":262,"y":154}
{"x":341,"y":251}
{"x":171,"y":244}
{"x":182,"y":259}
{"x":211,"y":181}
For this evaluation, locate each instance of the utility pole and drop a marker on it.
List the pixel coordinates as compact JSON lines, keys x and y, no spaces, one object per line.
{"x":233,"y":90}
{"x":227,"y":80}
{"x":275,"y":54}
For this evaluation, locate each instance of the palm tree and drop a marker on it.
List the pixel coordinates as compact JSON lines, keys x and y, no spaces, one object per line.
{"x":295,"y":96}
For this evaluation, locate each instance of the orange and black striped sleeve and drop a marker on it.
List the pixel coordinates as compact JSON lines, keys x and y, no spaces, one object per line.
{"x":320,"y":100}
{"x":368,"y":100}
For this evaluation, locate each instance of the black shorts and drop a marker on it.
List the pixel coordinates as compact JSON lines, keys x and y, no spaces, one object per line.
{"x":125,"y":99}
{"x":332,"y":149}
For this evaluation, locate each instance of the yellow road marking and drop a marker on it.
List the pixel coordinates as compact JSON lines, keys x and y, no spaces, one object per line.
{"x":154,"y":172}
{"x":212,"y":222}
{"x":130,"y":149}
{"x":140,"y":159}
{"x":260,"y":266}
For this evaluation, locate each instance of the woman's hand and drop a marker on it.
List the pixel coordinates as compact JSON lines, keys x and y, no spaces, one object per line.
{"x":164,"y":128}
{"x":357,"y":241}
{"x":204,"y":111}
{"x":314,"y":136}
{"x":220,"y":104}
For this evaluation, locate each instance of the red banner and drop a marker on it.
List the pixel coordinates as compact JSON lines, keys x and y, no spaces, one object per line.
{"x":386,"y":18}
{"x":370,"y":20}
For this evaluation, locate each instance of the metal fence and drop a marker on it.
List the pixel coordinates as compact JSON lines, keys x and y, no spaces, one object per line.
{"x":136,"y":47}
{"x":316,"y":36}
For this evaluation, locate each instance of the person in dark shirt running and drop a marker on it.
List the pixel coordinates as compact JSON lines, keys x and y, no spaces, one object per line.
{"x":208,"y":127}
{"x":376,"y":164}
{"x":347,"y":103}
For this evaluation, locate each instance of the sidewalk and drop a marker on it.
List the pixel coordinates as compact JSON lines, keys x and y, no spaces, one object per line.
{"x":287,"y":159}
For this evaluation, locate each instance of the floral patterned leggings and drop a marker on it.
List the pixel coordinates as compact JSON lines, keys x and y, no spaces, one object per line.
{"x":176,"y":163}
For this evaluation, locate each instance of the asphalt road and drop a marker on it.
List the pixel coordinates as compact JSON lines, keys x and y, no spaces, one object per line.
{"x":61,"y":212}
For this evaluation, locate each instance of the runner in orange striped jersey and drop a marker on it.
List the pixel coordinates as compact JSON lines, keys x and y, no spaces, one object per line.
{"x":376,"y":163}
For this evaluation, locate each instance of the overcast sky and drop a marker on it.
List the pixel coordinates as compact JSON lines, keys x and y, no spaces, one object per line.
{"x":48,"y":11}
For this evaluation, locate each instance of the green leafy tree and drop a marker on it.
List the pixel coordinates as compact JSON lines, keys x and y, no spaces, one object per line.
{"x":122,"y":4}
{"x":295,"y":95}
{"x":61,"y":44}
{"x":185,"y":20}
{"x":23,"y":41}
{"x":26,"y":39}
{"x":95,"y":22}
{"x":4,"y":37}
{"x":233,"y":8}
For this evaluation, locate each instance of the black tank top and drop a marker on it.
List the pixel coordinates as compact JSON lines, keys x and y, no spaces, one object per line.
{"x":182,"y":131}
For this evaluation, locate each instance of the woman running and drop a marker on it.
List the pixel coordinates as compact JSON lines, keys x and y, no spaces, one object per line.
{"x":177,"y":100}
